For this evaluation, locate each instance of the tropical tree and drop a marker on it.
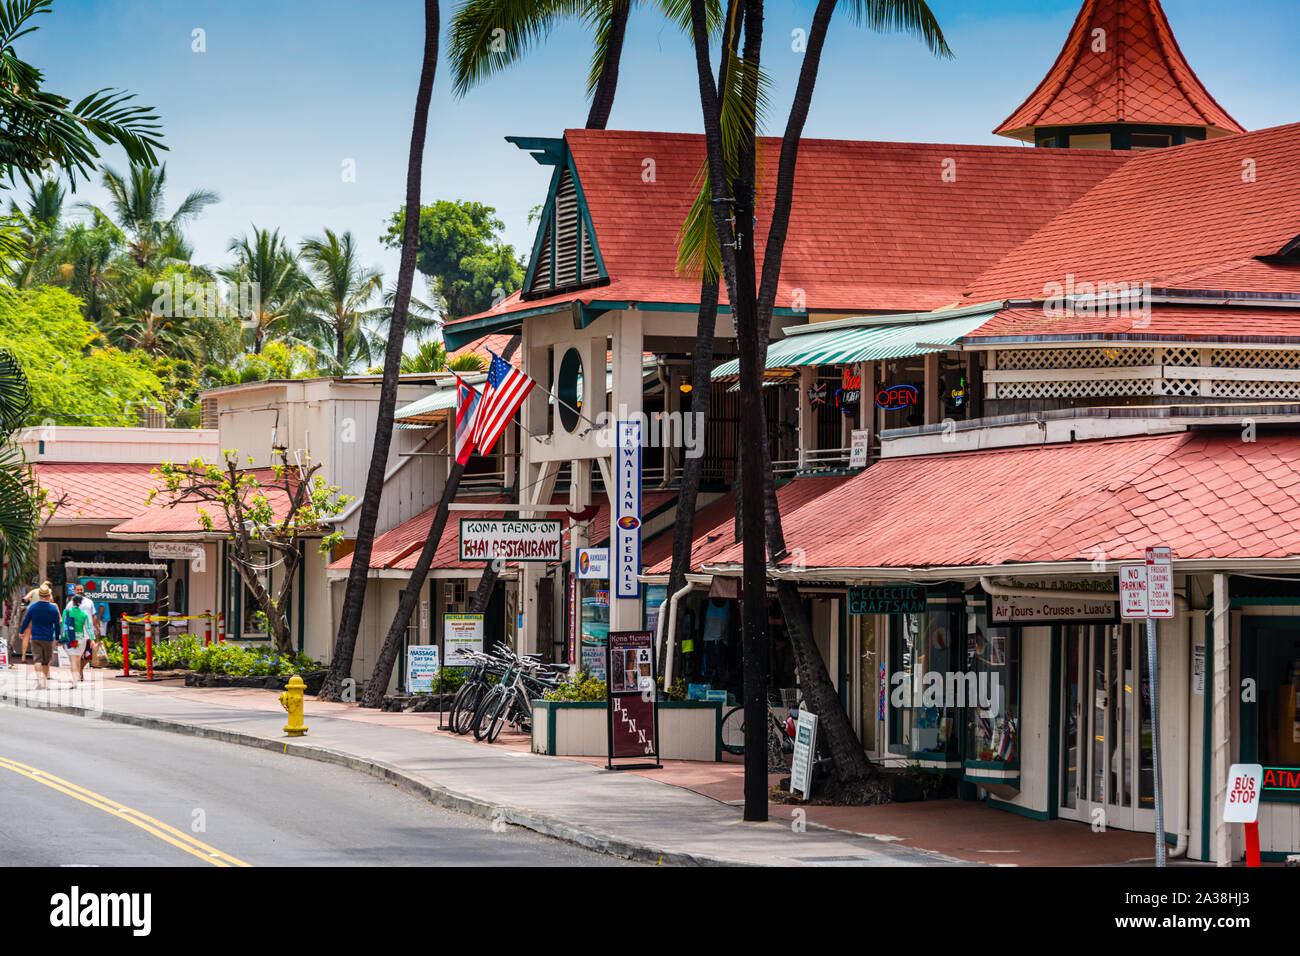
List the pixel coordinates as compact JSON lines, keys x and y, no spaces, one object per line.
{"x":40,"y":130}
{"x":90,"y":269}
{"x":19,"y":509}
{"x":752,"y":298}
{"x":354,"y":597}
{"x":267,"y":523}
{"x":489,"y":35}
{"x":433,"y":357}
{"x":137,"y":204}
{"x":74,"y":378}
{"x":341,"y":288}
{"x":461,"y":254}
{"x":40,"y":224}
{"x":141,"y":324}
{"x":265,"y":262}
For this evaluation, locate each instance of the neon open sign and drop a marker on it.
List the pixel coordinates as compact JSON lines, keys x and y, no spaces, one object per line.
{"x":897,"y":396}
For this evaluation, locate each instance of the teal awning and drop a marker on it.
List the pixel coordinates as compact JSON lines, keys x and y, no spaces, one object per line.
{"x":846,"y":341}
{"x":421,"y":411}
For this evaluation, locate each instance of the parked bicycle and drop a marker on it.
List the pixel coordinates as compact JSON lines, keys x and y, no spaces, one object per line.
{"x":510,"y":701}
{"x":466,"y":702}
{"x":782,"y":716}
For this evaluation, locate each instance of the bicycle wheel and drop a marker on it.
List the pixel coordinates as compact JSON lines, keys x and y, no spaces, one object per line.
{"x":503,"y":712}
{"x":733,"y":731}
{"x":463,"y":707}
{"x":492,"y":702}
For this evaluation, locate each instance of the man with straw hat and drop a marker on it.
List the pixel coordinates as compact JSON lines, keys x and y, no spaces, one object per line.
{"x":41,"y":626}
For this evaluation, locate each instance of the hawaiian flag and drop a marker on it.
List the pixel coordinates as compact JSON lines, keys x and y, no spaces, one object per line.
{"x":467,"y":405}
{"x":505,"y":390}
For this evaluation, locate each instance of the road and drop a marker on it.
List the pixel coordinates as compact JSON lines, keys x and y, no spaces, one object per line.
{"x":84,"y":792}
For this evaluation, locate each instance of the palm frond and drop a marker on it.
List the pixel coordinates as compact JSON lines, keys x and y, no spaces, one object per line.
{"x":489,"y":35}
{"x":899,"y":16}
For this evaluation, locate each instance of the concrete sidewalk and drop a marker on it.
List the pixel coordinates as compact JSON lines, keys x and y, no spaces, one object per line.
{"x":630,"y":815}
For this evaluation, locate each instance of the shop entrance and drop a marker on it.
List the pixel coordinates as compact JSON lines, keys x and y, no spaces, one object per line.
{"x":1105,"y":764}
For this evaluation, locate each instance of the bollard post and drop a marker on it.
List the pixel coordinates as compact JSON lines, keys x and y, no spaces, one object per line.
{"x":126,"y":648}
{"x":207,"y":628}
{"x":148,"y":647}
{"x":221,"y":627}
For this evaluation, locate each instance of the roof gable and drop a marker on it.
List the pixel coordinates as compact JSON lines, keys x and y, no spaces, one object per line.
{"x":1120,"y":64}
{"x":875,"y":227}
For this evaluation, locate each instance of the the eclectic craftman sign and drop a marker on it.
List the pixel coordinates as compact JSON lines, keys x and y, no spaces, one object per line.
{"x":528,"y":539}
{"x":627,"y":514}
{"x":898,"y":396}
{"x":887,"y":599}
{"x":120,"y":590}
{"x":631,"y":696}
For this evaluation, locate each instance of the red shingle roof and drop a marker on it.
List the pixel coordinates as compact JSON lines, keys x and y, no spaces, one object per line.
{"x":1190,"y":323}
{"x":162,"y":518}
{"x":495,"y":343}
{"x":874,"y":227}
{"x":97,"y":491}
{"x":1120,"y":64}
{"x":715,"y":523}
{"x":1168,"y":216}
{"x":1206,"y":495}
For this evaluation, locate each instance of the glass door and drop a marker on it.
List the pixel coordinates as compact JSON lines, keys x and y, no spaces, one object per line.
{"x":1105,"y":751}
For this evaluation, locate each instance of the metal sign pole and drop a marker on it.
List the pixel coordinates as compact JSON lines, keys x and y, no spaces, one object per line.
{"x":1153,"y":672}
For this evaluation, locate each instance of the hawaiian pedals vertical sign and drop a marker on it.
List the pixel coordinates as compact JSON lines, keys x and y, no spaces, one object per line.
{"x":631,"y":693}
{"x":627,"y":511}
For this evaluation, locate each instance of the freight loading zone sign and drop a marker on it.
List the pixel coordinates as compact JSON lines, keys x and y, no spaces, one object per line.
{"x":887,"y":599}
{"x":536,"y":539}
{"x":120,"y":590}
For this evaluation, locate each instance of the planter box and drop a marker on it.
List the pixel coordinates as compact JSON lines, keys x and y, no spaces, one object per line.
{"x":688,"y":729}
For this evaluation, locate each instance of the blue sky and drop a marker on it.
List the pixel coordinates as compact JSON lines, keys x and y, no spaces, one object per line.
{"x":287,"y":90}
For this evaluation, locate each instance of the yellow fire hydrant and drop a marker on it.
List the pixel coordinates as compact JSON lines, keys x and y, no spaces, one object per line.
{"x":291,"y":701}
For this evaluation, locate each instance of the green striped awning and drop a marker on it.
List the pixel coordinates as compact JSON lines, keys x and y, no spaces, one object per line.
{"x":844,"y":344}
{"x":423,"y":411}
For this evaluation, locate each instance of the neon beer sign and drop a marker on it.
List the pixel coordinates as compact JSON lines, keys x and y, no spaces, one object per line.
{"x":898,"y":396}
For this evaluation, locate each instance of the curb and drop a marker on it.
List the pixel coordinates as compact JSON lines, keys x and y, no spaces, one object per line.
{"x":437,"y":795}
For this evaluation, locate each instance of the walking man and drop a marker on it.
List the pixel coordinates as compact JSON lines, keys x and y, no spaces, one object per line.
{"x":40,"y":627}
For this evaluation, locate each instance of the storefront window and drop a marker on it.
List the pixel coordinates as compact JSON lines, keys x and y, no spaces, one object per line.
{"x":925,"y":659}
{"x":594,"y":627}
{"x":993,"y":674}
{"x":1275,"y":660}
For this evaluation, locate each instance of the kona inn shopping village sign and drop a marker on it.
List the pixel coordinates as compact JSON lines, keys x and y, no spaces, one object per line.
{"x":528,"y":539}
{"x":120,"y":590}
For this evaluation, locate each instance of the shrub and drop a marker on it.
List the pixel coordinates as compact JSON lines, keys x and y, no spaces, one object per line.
{"x":580,"y":687}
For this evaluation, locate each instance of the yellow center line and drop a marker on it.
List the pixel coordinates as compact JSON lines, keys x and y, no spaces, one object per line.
{"x":169,"y":834}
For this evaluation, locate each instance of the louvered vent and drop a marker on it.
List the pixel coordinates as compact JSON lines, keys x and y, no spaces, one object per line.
{"x":589,"y":270}
{"x":566,"y":232}
{"x":207,"y":413}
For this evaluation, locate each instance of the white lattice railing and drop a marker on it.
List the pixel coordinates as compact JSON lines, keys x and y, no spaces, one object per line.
{"x":1167,"y":371}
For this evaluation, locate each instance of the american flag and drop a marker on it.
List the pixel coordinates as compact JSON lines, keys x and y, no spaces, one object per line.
{"x":467,"y":405}
{"x":506,"y":388}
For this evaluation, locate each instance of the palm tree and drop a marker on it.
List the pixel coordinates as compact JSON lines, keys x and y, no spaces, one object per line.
{"x":89,"y":266}
{"x":341,"y":289}
{"x":752,"y":298}
{"x":141,"y":325}
{"x":137,"y":203}
{"x":41,"y":223}
{"x":350,"y":621}
{"x":265,"y":261}
{"x":19,"y":509}
{"x":41,"y":129}
{"x":489,"y":35}
{"x":433,"y":357}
